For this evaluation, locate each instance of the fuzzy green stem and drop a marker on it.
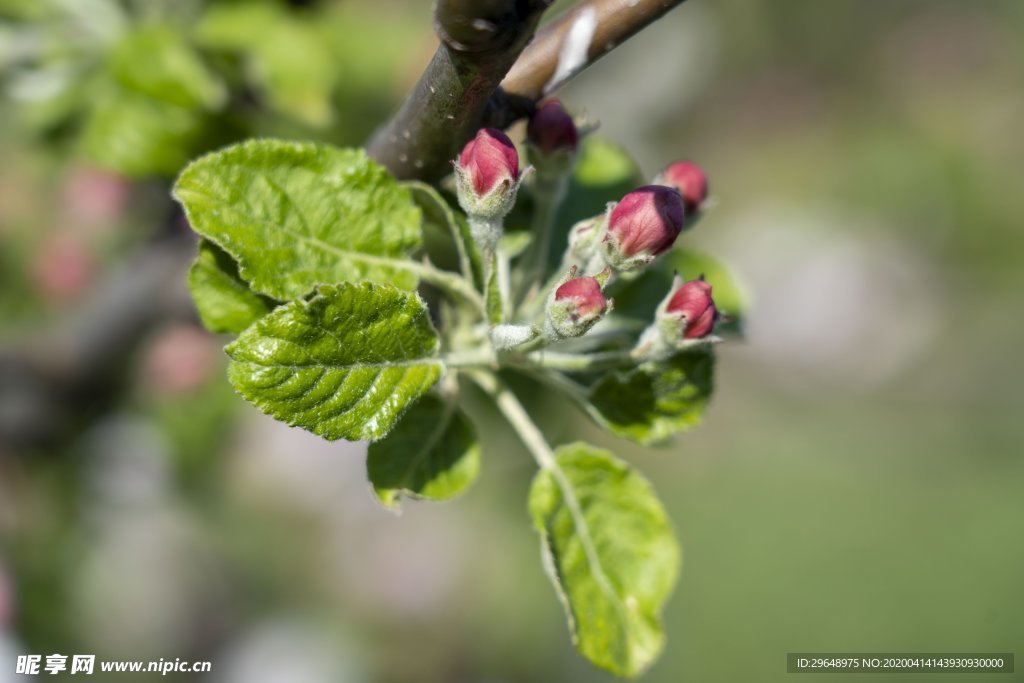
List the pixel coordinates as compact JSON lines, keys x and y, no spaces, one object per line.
{"x":465,"y":262}
{"x":476,"y":358}
{"x":538,"y":446}
{"x":493,"y":299}
{"x":548,"y":192}
{"x":485,"y":231}
{"x":504,"y":283}
{"x":450,"y":283}
{"x":556,"y":380}
{"x":520,"y":420}
{"x":572,"y":362}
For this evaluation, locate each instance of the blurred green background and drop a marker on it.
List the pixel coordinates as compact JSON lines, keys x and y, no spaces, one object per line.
{"x":858,"y":484}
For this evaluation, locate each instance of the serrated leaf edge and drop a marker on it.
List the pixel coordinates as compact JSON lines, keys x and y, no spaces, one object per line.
{"x":374,"y":435}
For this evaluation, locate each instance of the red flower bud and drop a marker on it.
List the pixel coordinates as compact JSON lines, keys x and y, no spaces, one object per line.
{"x":576,"y":306}
{"x":644,"y":224}
{"x":690,"y":180}
{"x":489,"y":159}
{"x":551,"y":129}
{"x":692,"y":303}
{"x":585,"y":294}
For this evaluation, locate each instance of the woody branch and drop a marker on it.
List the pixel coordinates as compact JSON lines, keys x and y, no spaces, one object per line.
{"x":487,"y":71}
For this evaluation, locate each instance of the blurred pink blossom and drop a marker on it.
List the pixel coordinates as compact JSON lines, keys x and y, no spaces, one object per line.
{"x":93,"y":198}
{"x":63,"y":268}
{"x":180,"y":359}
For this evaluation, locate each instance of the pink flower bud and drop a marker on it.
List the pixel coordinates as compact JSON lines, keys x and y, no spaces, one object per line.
{"x":551,"y":129}
{"x":576,"y":306}
{"x":489,"y":159}
{"x":585,"y":294}
{"x":690,"y":180}
{"x":644,"y":224}
{"x":486,"y":183}
{"x":692,"y":304}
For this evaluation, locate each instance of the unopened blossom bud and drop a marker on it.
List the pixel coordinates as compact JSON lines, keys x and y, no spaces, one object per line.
{"x":486,"y":180}
{"x":691,"y":182}
{"x":684,"y":318}
{"x":691,"y":305}
{"x":487,"y":171}
{"x":551,"y":130}
{"x":576,"y":306}
{"x":643,"y":225}
{"x":583,"y":238}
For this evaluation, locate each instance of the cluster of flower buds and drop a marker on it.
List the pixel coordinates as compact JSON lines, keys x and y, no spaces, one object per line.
{"x":576,"y":305}
{"x":687,"y":314}
{"x":487,"y":179}
{"x":631,"y":233}
{"x":643,"y":224}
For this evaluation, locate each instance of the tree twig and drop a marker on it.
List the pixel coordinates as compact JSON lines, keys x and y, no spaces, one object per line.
{"x":480,"y":40}
{"x":575,"y":40}
{"x":482,"y":46}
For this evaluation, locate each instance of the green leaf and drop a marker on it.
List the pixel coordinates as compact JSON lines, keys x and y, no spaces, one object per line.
{"x":432,"y":454}
{"x":609,"y":549}
{"x":295,"y":215}
{"x":289,"y":58}
{"x":138,"y":136}
{"x":344,"y":365}
{"x":157,"y":61}
{"x":652,"y":402}
{"x":224,"y":301}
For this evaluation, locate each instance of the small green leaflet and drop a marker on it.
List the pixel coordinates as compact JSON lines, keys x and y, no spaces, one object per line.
{"x":295,"y":215}
{"x":610,"y":551}
{"x":432,"y":454}
{"x":656,"y":400}
{"x":344,"y":365}
{"x":224,"y":302}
